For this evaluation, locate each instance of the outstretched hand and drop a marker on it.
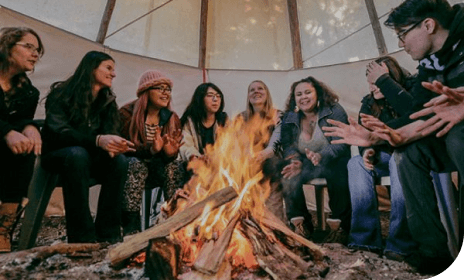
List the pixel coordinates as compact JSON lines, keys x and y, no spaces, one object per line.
{"x":371,"y":122}
{"x":352,"y":134}
{"x":115,"y":144}
{"x":158,"y":141}
{"x":448,"y":109}
{"x":292,"y":169}
{"x":172,"y":143}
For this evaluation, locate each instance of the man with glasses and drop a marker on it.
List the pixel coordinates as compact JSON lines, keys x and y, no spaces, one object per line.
{"x":431,"y":32}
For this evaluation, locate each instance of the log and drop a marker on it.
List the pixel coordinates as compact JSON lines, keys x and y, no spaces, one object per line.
{"x":271,"y":221}
{"x":163,"y":259}
{"x":139,"y":241}
{"x":212,"y":254}
{"x":48,"y":251}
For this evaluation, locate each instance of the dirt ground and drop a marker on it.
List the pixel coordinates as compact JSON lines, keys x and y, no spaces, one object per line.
{"x":345,"y":264}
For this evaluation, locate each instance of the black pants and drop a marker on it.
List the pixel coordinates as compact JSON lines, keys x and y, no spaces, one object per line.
{"x":76,"y":166}
{"x":415,"y":162}
{"x":15,"y":174}
{"x":336,"y":174}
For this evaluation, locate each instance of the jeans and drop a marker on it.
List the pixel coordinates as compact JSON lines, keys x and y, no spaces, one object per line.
{"x":365,"y":221}
{"x":76,"y":166}
{"x":336,"y":174}
{"x":415,"y":162}
{"x":15,"y":174}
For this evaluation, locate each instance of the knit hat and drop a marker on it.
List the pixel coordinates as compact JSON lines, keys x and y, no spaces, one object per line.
{"x":151,"y":78}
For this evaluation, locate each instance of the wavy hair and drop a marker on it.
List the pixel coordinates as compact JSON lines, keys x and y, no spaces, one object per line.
{"x":9,"y":36}
{"x":325,"y":95}
{"x":268,"y":105}
{"x":76,"y":91}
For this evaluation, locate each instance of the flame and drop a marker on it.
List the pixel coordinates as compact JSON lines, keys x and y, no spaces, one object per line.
{"x":230,"y":162}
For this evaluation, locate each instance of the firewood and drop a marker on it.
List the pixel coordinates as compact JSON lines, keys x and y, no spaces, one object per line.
{"x":224,"y":273}
{"x":139,"y":241}
{"x":48,"y":251}
{"x":163,"y":259}
{"x":271,"y":221}
{"x":212,"y":254}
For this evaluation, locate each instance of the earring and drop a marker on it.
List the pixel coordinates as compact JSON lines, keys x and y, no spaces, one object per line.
{"x":296,"y":109}
{"x":318,"y":103}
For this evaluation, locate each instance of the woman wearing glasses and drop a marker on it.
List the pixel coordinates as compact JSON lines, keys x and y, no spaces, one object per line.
{"x":20,"y":50}
{"x":156,"y":132}
{"x":81,"y":142}
{"x":200,"y":121}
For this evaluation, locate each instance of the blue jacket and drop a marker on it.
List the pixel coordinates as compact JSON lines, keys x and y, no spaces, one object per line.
{"x":291,"y":128}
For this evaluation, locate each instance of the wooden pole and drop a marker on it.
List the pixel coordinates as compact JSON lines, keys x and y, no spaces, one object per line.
{"x":105,"y":22}
{"x":203,"y":34}
{"x":295,"y":34}
{"x":381,"y":46}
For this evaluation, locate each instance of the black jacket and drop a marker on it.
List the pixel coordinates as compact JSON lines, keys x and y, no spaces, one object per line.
{"x":60,"y":132}
{"x":22,"y":106}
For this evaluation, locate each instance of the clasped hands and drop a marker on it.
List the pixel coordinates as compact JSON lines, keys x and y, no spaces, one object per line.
{"x":24,"y":142}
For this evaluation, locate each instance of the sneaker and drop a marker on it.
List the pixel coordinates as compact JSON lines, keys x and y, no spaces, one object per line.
{"x":394,"y":256}
{"x":299,"y":227}
{"x":429,"y":265}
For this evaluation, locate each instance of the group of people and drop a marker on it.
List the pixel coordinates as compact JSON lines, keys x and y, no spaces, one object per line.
{"x":145,"y":144}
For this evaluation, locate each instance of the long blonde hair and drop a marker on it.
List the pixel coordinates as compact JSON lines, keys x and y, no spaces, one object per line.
{"x":268,"y":109}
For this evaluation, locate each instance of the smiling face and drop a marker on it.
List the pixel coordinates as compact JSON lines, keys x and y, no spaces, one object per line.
{"x":305,"y":97}
{"x":257,"y":94}
{"x":212,"y":101}
{"x":105,"y":73}
{"x":24,"y":54}
{"x":159,"y":96}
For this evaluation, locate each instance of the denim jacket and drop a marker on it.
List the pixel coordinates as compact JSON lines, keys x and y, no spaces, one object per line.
{"x":291,"y":131}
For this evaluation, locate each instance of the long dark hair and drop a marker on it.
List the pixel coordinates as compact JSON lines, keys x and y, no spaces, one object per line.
{"x":397,"y":73}
{"x":325,"y":95}
{"x":9,"y":36}
{"x":196,"y":110}
{"x":76,"y":91}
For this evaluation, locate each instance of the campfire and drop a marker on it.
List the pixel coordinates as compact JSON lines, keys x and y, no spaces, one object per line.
{"x":223,"y":226}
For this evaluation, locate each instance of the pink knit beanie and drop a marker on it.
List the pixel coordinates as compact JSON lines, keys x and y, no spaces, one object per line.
{"x":152,"y":78}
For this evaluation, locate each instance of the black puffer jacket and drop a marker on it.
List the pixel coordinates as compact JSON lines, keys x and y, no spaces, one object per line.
{"x":21,"y":110}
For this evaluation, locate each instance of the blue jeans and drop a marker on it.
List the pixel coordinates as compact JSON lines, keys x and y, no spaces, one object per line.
{"x":365,"y":222}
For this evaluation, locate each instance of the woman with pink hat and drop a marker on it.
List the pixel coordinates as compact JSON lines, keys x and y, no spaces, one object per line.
{"x":155,"y":130}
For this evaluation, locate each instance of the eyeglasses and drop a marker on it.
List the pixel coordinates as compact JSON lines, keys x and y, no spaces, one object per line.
{"x":161,"y":89}
{"x":213,"y":95}
{"x":30,"y":47}
{"x":402,"y":34}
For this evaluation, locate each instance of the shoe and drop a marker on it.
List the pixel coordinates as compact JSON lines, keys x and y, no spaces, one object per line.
{"x":429,"y":265}
{"x":394,"y":256}
{"x":299,"y":227}
{"x":336,"y":234}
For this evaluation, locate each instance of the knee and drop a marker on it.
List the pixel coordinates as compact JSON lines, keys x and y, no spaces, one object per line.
{"x":392,"y":164}
{"x":355,"y":163}
{"x":120,"y":163}
{"x":77,"y":157}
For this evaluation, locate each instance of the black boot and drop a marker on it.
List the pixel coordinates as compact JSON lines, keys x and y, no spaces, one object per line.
{"x":130,"y":221}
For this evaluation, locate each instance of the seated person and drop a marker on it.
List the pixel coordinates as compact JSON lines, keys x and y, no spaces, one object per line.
{"x":201,"y":118}
{"x":365,"y":169}
{"x":310,"y":104}
{"x":81,"y":142}
{"x":20,"y":49}
{"x":155,"y":130}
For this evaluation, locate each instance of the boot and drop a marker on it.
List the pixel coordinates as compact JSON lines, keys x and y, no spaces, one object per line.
{"x":130,"y":221}
{"x":7,"y":220}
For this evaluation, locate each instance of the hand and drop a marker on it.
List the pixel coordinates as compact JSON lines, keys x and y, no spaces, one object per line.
{"x":371,"y":122}
{"x":33,"y":134}
{"x":352,"y":134}
{"x":172,"y":143}
{"x":448,"y":109}
{"x":368,"y":158}
{"x":158,"y":142}
{"x":315,"y":158}
{"x":292,"y":169}
{"x":390,"y":135}
{"x":115,"y":145}
{"x":263,"y":155}
{"x":375,"y":70}
{"x":18,"y":143}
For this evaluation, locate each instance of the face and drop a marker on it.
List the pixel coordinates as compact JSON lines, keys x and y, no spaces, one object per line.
{"x":24,"y":54}
{"x":104,"y":73}
{"x":159,"y":95}
{"x":306,"y":97}
{"x":375,"y":91}
{"x":257,"y":94}
{"x":212,"y":101}
{"x":415,"y":40}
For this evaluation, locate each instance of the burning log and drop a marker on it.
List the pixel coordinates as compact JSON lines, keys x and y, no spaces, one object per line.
{"x":162,"y":262}
{"x":212,"y":253}
{"x":140,"y":240}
